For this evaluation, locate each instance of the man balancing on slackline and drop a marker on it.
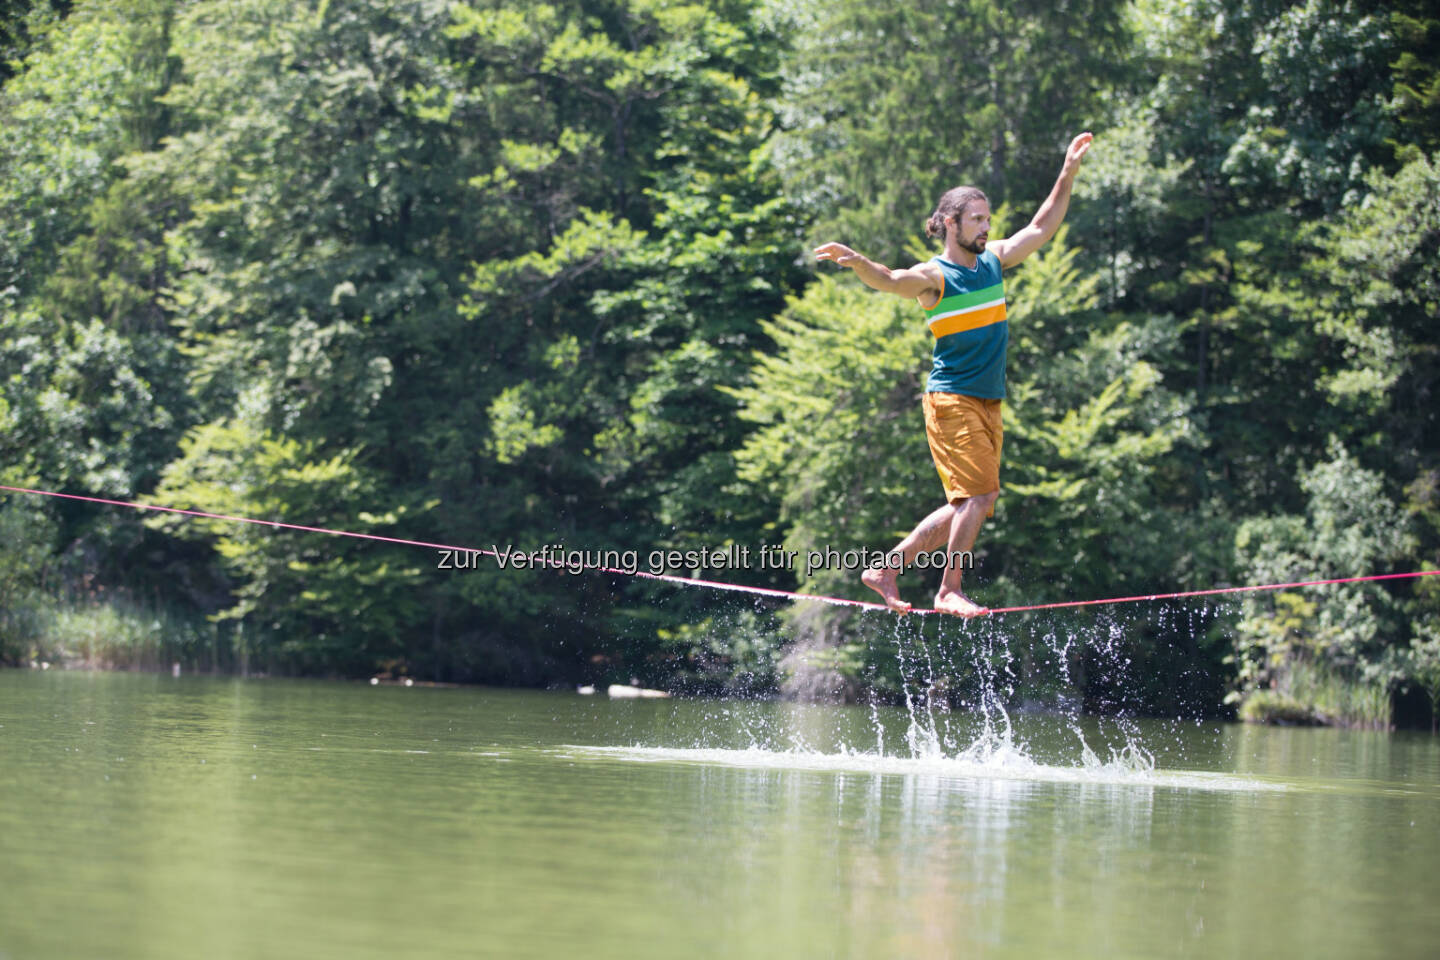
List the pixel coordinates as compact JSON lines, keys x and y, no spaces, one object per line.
{"x":963,"y":295}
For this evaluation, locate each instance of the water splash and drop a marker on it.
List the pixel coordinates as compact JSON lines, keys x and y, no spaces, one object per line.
{"x":971,"y":721}
{"x":995,"y":767}
{"x":994,"y":698}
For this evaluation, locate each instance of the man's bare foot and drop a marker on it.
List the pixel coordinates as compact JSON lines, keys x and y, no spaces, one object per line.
{"x":960,"y":605}
{"x":882,"y":581}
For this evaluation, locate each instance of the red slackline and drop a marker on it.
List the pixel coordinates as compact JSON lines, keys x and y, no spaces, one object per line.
{"x":714,"y":584}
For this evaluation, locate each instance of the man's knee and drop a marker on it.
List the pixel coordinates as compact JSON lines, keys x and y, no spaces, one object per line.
{"x":984,"y":503}
{"x":986,"y":500}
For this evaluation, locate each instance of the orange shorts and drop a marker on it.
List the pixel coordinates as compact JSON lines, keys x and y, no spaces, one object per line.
{"x":965,"y":439}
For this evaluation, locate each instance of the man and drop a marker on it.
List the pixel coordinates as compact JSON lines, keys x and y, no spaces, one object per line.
{"x":963,"y":295}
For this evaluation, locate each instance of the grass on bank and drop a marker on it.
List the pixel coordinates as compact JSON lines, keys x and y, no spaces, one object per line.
{"x":116,"y":635}
{"x":1309,"y":694}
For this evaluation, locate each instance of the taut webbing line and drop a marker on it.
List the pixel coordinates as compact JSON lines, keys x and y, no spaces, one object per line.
{"x":709,"y":584}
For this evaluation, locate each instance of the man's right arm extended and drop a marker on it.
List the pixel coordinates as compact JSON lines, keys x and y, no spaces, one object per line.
{"x":922,"y":280}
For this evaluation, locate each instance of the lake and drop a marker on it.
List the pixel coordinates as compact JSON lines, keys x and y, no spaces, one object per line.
{"x":146,"y":816}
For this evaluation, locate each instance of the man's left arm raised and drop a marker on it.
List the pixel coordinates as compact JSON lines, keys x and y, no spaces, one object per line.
{"x":1051,"y":214}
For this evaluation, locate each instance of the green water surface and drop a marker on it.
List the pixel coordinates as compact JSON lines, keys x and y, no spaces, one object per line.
{"x":152,"y":817}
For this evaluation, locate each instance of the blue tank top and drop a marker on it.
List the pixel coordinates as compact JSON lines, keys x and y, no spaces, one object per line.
{"x":970,"y":330}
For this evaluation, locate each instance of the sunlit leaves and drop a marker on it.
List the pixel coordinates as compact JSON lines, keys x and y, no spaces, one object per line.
{"x":840,"y":442}
{"x":323,"y":600}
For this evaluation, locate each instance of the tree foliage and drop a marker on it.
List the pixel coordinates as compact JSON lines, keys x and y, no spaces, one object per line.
{"x":890,"y":107}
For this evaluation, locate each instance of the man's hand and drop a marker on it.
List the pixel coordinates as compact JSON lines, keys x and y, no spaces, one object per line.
{"x":1076,"y":152}
{"x":842,"y":255}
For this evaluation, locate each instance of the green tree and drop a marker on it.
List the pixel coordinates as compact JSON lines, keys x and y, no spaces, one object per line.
{"x":1320,"y":121}
{"x":68,"y":117}
{"x":892,"y":106}
{"x":611,"y":329}
{"x":320,"y":604}
{"x":1254,"y":122}
{"x":1416,"y":77}
{"x":319,"y":256}
{"x":20,"y":23}
{"x":1317,"y":645}
{"x":485,"y":257}
{"x":88,"y":365}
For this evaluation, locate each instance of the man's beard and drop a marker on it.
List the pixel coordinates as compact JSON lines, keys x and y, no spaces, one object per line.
{"x":976,"y":246}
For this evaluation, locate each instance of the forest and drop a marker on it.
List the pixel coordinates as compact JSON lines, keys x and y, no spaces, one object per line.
{"x":520,"y":274}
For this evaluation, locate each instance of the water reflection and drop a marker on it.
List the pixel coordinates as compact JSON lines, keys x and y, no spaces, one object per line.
{"x":927,"y":860}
